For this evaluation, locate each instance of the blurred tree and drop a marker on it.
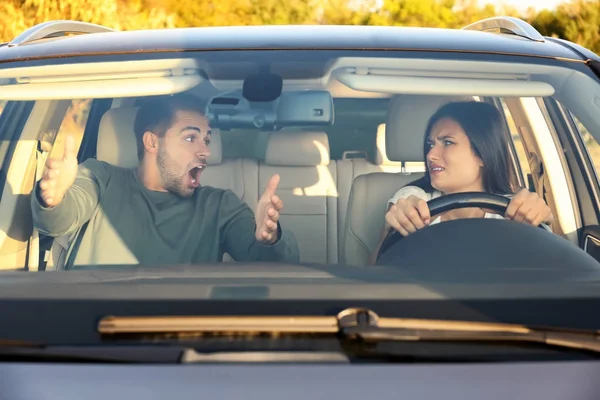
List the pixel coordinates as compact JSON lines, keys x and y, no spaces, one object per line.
{"x":118,"y":14}
{"x":278,"y":12}
{"x":575,"y":20}
{"x":346,"y":12}
{"x":429,"y":13}
{"x":192,"y":13}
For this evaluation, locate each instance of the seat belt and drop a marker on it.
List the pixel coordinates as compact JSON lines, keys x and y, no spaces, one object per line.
{"x":537,"y":171}
{"x":44,"y":145}
{"x":72,"y":253}
{"x":536,"y":167}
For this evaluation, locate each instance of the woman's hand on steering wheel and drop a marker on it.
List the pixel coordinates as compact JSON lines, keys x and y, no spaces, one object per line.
{"x":413,"y":213}
{"x":408,"y":215}
{"x":528,"y":207}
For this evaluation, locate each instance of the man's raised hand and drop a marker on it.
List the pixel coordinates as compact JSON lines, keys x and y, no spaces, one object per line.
{"x":59,"y":175}
{"x":267,"y":213}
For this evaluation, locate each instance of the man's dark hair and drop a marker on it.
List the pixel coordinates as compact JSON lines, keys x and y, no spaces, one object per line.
{"x":156,"y":115}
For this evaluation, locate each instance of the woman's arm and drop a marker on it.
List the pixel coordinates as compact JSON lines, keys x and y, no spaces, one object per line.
{"x":529,"y":207}
{"x":406,"y":212}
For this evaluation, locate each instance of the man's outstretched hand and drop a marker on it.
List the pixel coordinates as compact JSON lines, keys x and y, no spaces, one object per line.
{"x":59,"y":175}
{"x":267,"y":213}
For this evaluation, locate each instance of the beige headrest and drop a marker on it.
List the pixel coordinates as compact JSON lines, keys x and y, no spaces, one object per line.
{"x":297,"y":149}
{"x":408,"y":116}
{"x":381,"y":157}
{"x":117,"y":144}
{"x":116,"y":140}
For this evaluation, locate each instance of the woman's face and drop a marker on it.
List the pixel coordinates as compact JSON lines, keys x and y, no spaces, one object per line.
{"x":451,"y":161}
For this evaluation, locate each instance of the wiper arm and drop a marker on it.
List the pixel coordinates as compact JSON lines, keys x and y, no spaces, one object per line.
{"x":367,"y":326}
{"x":354,"y":324}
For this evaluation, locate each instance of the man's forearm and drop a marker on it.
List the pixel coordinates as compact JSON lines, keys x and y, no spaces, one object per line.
{"x":284,"y":249}
{"x":241,"y":244}
{"x":66,"y":217}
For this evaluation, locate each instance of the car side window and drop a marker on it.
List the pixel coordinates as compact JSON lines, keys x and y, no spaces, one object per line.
{"x":591,"y":144}
{"x":517,"y":144}
{"x":73,"y":124}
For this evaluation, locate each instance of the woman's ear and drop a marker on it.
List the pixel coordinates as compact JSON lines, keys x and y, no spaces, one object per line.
{"x":150,"y":141}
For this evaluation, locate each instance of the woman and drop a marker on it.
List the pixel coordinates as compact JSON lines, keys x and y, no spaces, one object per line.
{"x":465,"y":150}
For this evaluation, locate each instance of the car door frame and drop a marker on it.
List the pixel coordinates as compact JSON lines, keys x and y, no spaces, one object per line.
{"x":586,"y":182}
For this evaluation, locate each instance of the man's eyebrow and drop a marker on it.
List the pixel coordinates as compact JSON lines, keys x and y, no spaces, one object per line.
{"x":191,"y":128}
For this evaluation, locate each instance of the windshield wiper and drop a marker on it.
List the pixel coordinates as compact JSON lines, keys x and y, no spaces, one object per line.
{"x":367,"y":326}
{"x":353,"y":324}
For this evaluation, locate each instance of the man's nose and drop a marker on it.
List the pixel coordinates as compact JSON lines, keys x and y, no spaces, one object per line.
{"x":203,"y":151}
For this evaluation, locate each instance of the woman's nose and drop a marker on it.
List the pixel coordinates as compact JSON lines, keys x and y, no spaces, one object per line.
{"x":434,"y":153}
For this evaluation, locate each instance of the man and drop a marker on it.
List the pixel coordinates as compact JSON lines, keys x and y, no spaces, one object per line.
{"x":158,"y":213}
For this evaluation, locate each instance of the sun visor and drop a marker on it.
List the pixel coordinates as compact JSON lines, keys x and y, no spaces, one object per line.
{"x":99,"y":80}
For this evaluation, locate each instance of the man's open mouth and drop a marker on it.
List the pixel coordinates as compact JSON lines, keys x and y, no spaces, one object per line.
{"x":195,"y":173}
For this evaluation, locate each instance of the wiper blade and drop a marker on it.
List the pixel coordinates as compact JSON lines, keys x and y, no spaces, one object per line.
{"x":367,"y":326}
{"x":354,"y":324}
{"x":391,"y":329}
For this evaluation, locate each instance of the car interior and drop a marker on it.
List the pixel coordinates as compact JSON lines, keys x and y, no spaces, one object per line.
{"x":335,"y":178}
{"x":316,"y":190}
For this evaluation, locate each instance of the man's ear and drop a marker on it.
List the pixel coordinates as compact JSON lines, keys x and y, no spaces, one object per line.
{"x":150,"y":141}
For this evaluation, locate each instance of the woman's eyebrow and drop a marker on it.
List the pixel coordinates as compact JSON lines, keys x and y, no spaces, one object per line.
{"x":445,"y":137}
{"x":440,"y":138}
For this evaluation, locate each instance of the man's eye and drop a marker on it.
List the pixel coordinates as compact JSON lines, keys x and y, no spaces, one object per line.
{"x":207,"y":141}
{"x":189,"y":138}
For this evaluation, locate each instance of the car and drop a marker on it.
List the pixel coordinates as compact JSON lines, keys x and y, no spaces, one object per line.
{"x":465,"y":309}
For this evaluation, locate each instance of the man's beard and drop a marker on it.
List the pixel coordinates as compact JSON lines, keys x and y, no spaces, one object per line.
{"x":170,"y":180}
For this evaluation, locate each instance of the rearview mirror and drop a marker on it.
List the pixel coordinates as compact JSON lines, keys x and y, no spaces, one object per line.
{"x":314,"y":108}
{"x":291,"y":109}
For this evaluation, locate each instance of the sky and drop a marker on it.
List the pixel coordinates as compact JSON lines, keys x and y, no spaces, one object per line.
{"x":522,"y":5}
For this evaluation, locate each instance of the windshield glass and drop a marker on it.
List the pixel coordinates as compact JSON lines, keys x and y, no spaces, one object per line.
{"x":448,"y":168}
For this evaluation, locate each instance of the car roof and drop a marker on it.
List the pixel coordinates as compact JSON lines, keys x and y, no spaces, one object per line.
{"x":101,"y":40}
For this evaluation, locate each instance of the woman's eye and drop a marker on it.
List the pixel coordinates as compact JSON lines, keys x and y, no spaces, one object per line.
{"x":447,"y":143}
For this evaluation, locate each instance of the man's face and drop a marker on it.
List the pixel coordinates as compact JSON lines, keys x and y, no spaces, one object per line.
{"x":182,"y":153}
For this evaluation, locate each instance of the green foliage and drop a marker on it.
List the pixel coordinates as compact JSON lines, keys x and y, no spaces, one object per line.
{"x":575,"y":20}
{"x":19,"y":15}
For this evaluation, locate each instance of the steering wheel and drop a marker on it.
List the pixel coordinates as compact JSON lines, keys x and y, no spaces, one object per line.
{"x":449,"y":202}
{"x":486,"y":250}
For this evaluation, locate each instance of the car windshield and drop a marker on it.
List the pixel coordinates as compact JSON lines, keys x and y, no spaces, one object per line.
{"x":303,"y":173}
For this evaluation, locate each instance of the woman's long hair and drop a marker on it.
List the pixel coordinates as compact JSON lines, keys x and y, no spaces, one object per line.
{"x":482,"y":122}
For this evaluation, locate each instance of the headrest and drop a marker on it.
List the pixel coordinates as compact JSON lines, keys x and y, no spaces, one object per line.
{"x":298,"y":149}
{"x":381,"y":157}
{"x":117,"y":144}
{"x":116,"y":141}
{"x":215,"y":147}
{"x":407,"y":119}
